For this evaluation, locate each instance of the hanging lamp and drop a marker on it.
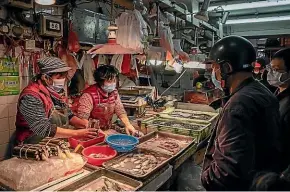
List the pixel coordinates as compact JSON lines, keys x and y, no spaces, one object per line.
{"x":112,"y":47}
{"x":45,"y":2}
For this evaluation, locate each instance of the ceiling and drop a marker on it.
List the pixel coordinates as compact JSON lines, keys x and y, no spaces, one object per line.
{"x":254,"y":13}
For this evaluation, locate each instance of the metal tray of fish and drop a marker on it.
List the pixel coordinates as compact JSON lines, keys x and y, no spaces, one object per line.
{"x":140,"y":163}
{"x":164,"y":142}
{"x":104,"y":180}
{"x":192,"y":116}
{"x":176,"y":126}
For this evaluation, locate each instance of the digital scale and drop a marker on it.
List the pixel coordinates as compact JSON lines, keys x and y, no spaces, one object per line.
{"x":134,"y":98}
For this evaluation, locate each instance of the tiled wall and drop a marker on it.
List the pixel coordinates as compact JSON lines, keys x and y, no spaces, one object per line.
{"x":8,"y":109}
{"x":8,"y":106}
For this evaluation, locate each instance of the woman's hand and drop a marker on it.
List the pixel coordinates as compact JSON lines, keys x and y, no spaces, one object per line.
{"x":79,"y":123}
{"x":91,"y":133}
{"x":130,"y":129}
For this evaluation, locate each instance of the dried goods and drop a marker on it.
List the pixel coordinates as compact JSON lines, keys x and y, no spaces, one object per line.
{"x":106,"y":184}
{"x":173,"y":123}
{"x":138,"y":163}
{"x":48,"y":147}
{"x":32,"y":152}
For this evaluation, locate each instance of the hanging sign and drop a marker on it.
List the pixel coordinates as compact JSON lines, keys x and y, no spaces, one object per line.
{"x":9,"y":66}
{"x":9,"y":85}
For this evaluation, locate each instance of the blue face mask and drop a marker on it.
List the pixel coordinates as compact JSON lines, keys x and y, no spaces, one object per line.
{"x":216,"y":83}
{"x":109,"y":88}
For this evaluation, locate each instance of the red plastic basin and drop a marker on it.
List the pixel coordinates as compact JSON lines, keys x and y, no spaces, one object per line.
{"x":105,"y":150}
{"x":75,"y":141}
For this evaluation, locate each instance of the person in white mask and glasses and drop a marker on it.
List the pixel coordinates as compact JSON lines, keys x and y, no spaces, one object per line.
{"x":42,"y":105}
{"x":279,"y":76}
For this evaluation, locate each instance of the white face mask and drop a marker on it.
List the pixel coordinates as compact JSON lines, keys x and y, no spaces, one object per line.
{"x":277,"y":79}
{"x":216,"y":83}
{"x":58,"y":84}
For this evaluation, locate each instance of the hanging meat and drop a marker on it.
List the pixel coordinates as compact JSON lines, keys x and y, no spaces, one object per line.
{"x":69,"y":59}
{"x":73,"y":41}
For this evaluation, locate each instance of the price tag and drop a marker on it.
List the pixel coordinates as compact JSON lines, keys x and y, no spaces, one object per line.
{"x":54,"y":26}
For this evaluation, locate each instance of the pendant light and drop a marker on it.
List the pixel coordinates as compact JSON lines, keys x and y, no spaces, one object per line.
{"x":45,"y":2}
{"x":112,"y":47}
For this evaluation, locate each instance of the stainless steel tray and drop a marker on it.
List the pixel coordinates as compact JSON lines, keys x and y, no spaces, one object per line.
{"x":100,"y":173}
{"x":109,"y":164}
{"x":147,"y":139}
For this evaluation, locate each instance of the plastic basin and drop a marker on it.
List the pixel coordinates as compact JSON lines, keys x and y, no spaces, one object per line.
{"x":86,"y":142}
{"x":121,"y":142}
{"x":105,"y":150}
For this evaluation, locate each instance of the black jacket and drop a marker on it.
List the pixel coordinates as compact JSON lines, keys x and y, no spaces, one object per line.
{"x":245,"y":139}
{"x":284,"y":101}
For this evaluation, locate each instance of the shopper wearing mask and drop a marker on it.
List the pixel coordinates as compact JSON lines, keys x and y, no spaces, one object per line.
{"x":260,"y":73}
{"x":245,"y":139}
{"x":279,"y":76}
{"x":101,"y":100}
{"x":38,"y":105}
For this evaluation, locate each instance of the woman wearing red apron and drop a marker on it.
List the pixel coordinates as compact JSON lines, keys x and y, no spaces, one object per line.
{"x":101,"y":100}
{"x":41,"y":105}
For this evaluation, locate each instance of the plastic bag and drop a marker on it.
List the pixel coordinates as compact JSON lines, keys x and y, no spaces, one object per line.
{"x":24,"y":175}
{"x":166,"y":38}
{"x":132,"y":29}
{"x":89,"y":68}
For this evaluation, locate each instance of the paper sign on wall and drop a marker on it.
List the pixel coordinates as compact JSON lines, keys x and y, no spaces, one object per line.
{"x":9,"y":66}
{"x":9,"y":85}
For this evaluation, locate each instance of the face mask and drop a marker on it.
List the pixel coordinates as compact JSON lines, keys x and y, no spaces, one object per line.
{"x":277,"y":79}
{"x":58,"y":85}
{"x":109,"y":88}
{"x":216,"y":83}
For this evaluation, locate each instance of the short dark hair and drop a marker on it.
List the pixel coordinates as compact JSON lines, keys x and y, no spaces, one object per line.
{"x":105,"y":72}
{"x":285,"y":55}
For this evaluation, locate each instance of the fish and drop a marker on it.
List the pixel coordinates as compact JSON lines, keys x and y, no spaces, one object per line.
{"x":122,"y":164}
{"x":145,"y":163}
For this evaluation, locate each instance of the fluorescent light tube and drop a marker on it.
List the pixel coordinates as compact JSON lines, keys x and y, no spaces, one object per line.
{"x":257,"y":20}
{"x":253,"y":5}
{"x":45,"y":2}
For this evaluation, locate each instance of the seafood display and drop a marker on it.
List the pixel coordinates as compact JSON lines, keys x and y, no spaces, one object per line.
{"x":166,"y":143}
{"x":191,"y":115}
{"x":139,"y":163}
{"x":173,"y":123}
{"x":99,"y":155}
{"x":105,"y":184}
{"x":103,"y":180}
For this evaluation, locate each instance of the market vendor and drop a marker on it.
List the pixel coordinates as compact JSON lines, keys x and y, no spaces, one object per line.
{"x":101,"y":100}
{"x":40,"y":106}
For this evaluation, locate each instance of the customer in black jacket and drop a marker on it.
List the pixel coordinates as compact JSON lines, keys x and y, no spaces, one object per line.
{"x":279,"y":76}
{"x":260,"y":73}
{"x":245,"y":139}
